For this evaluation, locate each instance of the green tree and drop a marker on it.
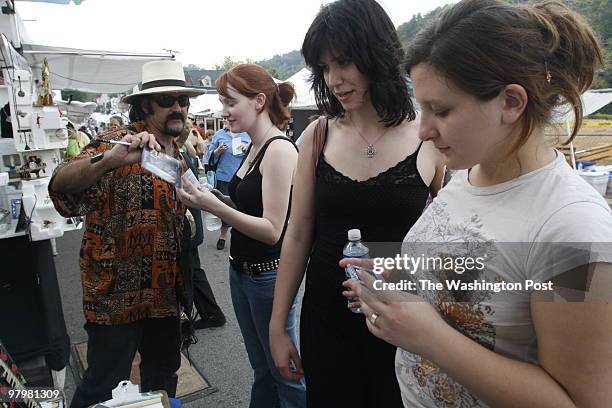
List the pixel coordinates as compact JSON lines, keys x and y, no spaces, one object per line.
{"x":229,"y":63}
{"x":598,"y":14}
{"x":193,"y":67}
{"x":284,"y":65}
{"x":408,"y":30}
{"x":273,"y":72}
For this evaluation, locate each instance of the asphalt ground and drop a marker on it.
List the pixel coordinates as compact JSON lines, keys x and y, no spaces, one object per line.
{"x":219,"y":353}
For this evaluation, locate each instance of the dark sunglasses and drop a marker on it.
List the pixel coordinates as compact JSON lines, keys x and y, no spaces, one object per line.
{"x":167,"y":101}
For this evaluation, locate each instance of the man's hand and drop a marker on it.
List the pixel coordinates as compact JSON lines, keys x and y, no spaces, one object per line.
{"x":121,"y":155}
{"x":221,"y":149}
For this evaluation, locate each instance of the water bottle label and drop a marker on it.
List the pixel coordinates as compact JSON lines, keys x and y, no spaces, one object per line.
{"x":351,"y":272}
{"x":354,"y":250}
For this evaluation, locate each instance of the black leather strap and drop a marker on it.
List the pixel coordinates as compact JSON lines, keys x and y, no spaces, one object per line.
{"x":96,"y":158}
{"x":262,"y":151}
{"x":162,"y":82}
{"x":254,"y":269}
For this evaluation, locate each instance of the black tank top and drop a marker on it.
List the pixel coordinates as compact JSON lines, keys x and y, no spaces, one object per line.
{"x":247,"y":195}
{"x":383,"y":207}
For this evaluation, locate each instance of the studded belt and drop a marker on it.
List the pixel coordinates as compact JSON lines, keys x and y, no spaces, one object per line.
{"x":252,"y":269}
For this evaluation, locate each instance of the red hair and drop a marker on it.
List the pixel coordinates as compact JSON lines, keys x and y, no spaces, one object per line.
{"x":251,"y":80}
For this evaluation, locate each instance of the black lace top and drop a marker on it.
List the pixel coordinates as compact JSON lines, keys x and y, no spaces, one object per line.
{"x":383,"y":207}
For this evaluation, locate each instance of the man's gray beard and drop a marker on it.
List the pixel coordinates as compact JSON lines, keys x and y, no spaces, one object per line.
{"x":174,"y":132}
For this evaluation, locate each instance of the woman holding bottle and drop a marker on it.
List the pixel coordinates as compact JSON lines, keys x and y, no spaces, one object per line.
{"x":257,"y":209}
{"x":360,"y":167}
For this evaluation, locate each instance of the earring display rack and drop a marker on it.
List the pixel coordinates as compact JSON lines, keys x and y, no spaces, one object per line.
{"x":34,"y":151}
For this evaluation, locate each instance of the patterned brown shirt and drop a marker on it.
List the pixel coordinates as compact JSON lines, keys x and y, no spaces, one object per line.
{"x":129,"y":256}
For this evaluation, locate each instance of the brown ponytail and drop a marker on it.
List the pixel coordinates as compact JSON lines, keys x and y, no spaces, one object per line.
{"x":484,"y":45}
{"x":251,"y":80}
{"x":573,"y":56}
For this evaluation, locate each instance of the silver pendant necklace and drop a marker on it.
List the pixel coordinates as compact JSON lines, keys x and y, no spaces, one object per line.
{"x":370,"y":150}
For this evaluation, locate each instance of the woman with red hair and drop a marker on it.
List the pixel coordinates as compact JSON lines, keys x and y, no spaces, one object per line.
{"x":258,"y":209}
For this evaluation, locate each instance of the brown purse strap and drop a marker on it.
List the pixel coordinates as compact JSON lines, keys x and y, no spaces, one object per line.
{"x":318,"y":141}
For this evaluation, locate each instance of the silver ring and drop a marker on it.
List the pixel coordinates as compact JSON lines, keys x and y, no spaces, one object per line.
{"x":373,"y":318}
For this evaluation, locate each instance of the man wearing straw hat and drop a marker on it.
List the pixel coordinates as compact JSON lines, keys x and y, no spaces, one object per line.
{"x":132,"y":285}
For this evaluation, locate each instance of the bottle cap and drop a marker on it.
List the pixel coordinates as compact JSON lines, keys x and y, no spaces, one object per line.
{"x":354,"y":235}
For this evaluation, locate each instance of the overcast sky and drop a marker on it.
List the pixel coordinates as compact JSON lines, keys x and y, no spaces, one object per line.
{"x":202,"y":31}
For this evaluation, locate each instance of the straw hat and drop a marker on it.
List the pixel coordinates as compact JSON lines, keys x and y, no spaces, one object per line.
{"x":163,"y":76}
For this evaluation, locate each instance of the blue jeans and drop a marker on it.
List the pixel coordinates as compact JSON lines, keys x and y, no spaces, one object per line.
{"x":252,"y":297}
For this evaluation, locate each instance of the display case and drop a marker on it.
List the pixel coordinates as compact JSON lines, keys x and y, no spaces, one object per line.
{"x":33,"y":138}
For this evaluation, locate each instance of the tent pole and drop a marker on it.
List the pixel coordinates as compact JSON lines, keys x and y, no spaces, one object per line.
{"x":98,"y":54}
{"x":571,"y":146}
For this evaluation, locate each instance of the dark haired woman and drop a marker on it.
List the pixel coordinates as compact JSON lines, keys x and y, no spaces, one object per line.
{"x":260,"y":193}
{"x":488,"y":76}
{"x":365,"y":168}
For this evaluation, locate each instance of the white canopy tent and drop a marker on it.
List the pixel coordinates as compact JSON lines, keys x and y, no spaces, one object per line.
{"x":98,"y":71}
{"x":89,"y":70}
{"x":105,"y":117}
{"x":592,"y":101}
{"x":75,"y":111}
{"x":207,"y":104}
{"x":304,"y":97}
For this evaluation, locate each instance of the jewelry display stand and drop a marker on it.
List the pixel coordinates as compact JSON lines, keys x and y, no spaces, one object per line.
{"x":33,"y":326}
{"x":45,"y":222}
{"x":39,"y":136}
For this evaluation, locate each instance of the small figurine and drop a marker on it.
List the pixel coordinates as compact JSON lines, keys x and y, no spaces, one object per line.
{"x":45,"y":98}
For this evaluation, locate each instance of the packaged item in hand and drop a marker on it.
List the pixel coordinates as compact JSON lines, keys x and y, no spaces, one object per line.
{"x":190,"y":178}
{"x":211,"y":221}
{"x":163,"y":166}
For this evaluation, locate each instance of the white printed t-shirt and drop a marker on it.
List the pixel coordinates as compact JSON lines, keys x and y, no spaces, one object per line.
{"x":520,"y":227}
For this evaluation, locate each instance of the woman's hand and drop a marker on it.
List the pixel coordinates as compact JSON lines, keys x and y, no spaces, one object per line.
{"x":397,"y":317}
{"x":368,"y":265}
{"x":284,"y":354}
{"x":202,"y":199}
{"x":351,"y":295}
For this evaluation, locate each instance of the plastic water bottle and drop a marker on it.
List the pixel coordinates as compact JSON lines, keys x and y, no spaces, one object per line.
{"x":354,"y":249}
{"x":211,"y":221}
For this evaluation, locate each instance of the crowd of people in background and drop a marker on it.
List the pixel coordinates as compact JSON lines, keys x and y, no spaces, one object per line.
{"x":486,"y":77}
